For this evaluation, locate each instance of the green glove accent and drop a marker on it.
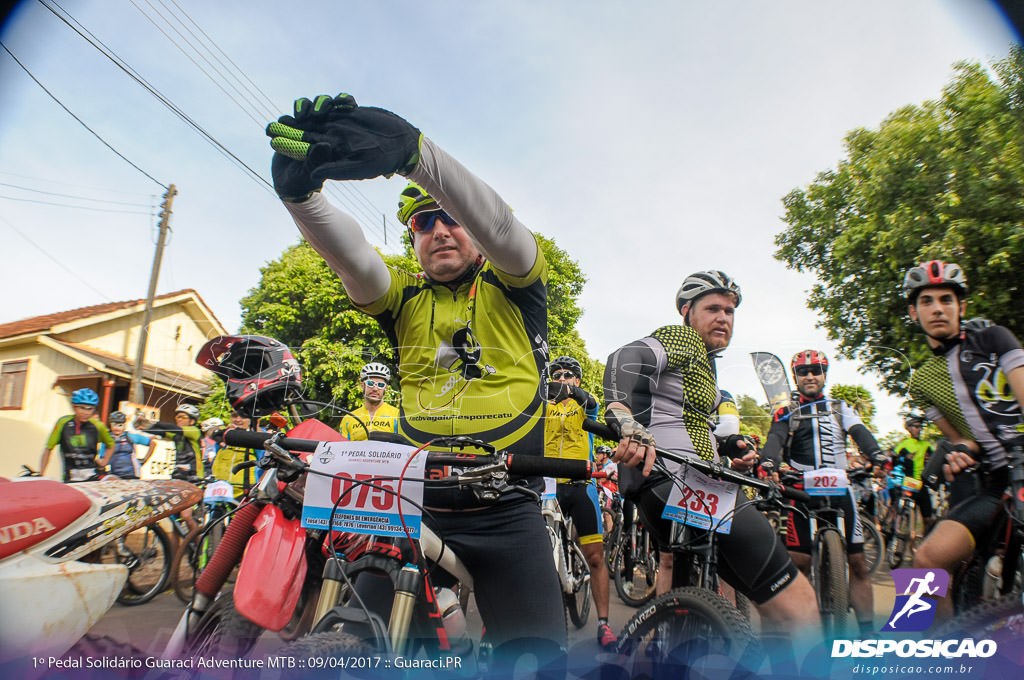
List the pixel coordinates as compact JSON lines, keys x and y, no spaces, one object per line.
{"x":334,"y":138}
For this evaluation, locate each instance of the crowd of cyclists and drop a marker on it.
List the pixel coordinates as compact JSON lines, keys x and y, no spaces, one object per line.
{"x":470,"y":338}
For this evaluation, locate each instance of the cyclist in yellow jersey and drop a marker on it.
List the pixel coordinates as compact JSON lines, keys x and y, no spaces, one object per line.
{"x":568,"y":406}
{"x":913,"y":452}
{"x":469,"y":334}
{"x":375,"y":415}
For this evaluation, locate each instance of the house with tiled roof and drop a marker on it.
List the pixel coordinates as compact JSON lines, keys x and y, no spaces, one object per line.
{"x":45,"y":358}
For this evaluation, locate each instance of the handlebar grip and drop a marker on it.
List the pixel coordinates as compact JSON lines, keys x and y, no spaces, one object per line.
{"x":246,"y":439}
{"x":600,"y":429}
{"x":235,"y":469}
{"x":795,"y":494}
{"x":932,"y":473}
{"x":519,"y":464}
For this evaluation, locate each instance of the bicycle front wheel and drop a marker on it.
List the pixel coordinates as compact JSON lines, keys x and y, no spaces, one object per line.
{"x":635,"y":570}
{"x":900,"y":536}
{"x":578,"y":601}
{"x":831,"y":581}
{"x":147,"y":554}
{"x":672,"y":634}
{"x":874,"y":545}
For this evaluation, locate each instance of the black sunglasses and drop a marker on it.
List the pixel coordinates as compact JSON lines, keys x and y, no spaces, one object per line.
{"x":558,"y":375}
{"x":814,"y":369}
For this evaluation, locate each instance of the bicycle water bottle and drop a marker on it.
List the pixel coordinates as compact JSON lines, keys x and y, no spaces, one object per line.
{"x":454,"y":620}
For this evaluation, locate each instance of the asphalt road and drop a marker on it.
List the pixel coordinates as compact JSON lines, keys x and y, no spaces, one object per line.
{"x":150,"y":625}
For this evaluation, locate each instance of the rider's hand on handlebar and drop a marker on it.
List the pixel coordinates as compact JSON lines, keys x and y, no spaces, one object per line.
{"x":958,"y":460}
{"x":636,"y":444}
{"x":746,"y":463}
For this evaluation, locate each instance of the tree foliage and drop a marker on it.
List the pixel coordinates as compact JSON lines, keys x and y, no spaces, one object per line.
{"x":859,"y":399}
{"x":302,"y":303}
{"x":754,"y":417}
{"x":943,"y":180}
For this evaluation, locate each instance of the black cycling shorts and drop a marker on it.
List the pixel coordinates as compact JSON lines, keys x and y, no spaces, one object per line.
{"x":979,"y":512}
{"x":580,"y":501}
{"x":751,"y":558}
{"x":798,"y":530}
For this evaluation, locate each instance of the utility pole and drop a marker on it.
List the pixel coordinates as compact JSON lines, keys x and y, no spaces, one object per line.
{"x":135,"y":390}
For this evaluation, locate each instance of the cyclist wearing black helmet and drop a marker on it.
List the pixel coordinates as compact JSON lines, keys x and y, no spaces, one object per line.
{"x":469,"y":331}
{"x":972,"y":390}
{"x":568,"y":406}
{"x":79,"y":436}
{"x":121,"y":456}
{"x":912,"y":453}
{"x":664,"y":386}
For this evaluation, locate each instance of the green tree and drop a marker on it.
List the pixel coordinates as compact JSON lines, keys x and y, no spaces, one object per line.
{"x":943,"y":180}
{"x":302,"y":303}
{"x":754,"y":417}
{"x":859,"y":399}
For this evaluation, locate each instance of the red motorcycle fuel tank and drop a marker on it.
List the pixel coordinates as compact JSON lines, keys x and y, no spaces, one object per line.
{"x":273,"y":570}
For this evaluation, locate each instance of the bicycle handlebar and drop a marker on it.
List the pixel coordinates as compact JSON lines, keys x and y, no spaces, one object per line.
{"x":516,"y":464}
{"x":715,"y":470}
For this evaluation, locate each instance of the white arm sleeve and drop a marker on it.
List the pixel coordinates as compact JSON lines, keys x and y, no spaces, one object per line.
{"x":336,"y":236}
{"x":501,"y":238}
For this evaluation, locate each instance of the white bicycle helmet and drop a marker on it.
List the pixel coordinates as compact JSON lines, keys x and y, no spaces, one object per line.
{"x":934,"y":274}
{"x":701,"y":283}
{"x":189,"y":410}
{"x":375,"y":368}
{"x":211,"y":424}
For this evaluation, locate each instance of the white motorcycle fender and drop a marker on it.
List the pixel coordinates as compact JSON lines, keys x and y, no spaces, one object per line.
{"x":55,"y":603}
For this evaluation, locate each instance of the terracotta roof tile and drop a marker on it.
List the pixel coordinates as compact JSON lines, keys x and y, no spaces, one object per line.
{"x":45,"y":322}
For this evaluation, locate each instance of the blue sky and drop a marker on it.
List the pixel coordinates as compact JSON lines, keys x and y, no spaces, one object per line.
{"x":648,"y":139}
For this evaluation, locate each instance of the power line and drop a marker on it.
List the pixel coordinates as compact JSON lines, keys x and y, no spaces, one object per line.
{"x":120,"y":63}
{"x":77,"y":207}
{"x":56,"y":261}
{"x":347,"y":194}
{"x":80,"y":198}
{"x":61,"y":104}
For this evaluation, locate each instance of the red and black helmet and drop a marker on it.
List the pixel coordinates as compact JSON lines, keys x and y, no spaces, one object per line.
{"x":260,"y":374}
{"x":934,"y":274}
{"x":809,"y":357}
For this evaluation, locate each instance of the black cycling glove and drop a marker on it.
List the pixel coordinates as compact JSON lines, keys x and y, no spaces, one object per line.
{"x":335,"y":138}
{"x":729,"y":446}
{"x":559,"y":391}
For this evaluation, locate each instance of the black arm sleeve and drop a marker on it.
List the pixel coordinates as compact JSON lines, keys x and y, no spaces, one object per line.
{"x":628,"y":377}
{"x":866,"y":442}
{"x":775,"y":442}
{"x":584,"y":398}
{"x":163,"y":428}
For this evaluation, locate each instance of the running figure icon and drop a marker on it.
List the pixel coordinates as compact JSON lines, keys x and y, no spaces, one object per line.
{"x":916,"y":606}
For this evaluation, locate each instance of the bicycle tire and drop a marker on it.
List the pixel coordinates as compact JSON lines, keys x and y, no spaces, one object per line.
{"x":635,"y":576}
{"x":222,"y":632}
{"x":831,"y":581}
{"x":898,"y":545}
{"x":147,"y":554}
{"x":1000,"y":618}
{"x":670,"y":635}
{"x":874,"y":545}
{"x":328,"y":646}
{"x":578,"y":601}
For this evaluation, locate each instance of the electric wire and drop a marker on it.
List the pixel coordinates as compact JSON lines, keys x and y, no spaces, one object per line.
{"x":80,"y":198}
{"x":81,"y":122}
{"x":55,"y":260}
{"x":76,"y":207}
{"x":124,"y":66}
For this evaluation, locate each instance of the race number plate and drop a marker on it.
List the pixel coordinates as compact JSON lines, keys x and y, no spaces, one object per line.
{"x":911,"y":484}
{"x":702,"y":502}
{"x":362,"y":508}
{"x":826,"y":482}
{"x":550,"y":489}
{"x":219,"y":492}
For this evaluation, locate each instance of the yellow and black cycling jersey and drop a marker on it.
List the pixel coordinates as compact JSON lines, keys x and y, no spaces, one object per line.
{"x":354,"y":427}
